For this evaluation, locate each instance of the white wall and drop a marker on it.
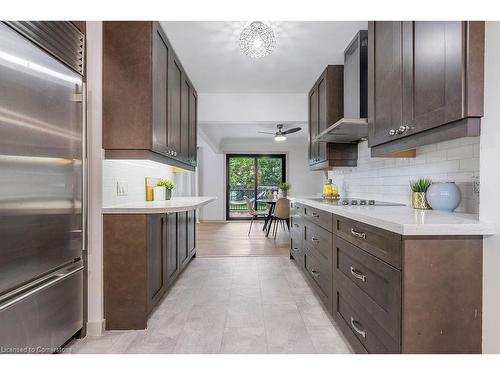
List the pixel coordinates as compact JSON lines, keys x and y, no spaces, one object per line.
{"x":490,"y":182}
{"x":212,"y":167}
{"x":388,"y":178}
{"x":231,"y":108}
{"x":211,"y":180}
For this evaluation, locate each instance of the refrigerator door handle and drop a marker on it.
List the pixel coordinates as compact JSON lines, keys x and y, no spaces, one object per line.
{"x":84,"y":168}
{"x":57,"y":277}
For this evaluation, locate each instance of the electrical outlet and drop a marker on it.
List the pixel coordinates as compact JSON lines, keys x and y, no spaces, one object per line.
{"x":121,"y":188}
{"x":475,"y":185}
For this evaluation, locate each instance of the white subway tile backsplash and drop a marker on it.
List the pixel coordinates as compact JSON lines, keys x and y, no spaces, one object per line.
{"x":458,"y":153}
{"x":133,"y":173}
{"x":388,"y":178}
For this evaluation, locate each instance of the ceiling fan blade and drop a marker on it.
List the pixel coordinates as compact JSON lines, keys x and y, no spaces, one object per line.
{"x":293,"y":130}
{"x":266,"y":133}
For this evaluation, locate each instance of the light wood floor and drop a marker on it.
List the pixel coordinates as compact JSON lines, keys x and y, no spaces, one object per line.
{"x":230,"y":239}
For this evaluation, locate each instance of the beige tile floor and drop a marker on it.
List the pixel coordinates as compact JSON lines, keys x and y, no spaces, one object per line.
{"x":231,"y":305}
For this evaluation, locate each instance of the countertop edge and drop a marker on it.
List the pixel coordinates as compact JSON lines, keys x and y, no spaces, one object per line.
{"x":451,"y":229}
{"x":157,"y":210}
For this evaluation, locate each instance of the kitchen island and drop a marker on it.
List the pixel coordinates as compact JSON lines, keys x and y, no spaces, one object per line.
{"x":396,"y":280}
{"x":146,"y":246}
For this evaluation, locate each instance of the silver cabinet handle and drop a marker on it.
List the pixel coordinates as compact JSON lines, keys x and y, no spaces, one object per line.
{"x":295,"y":249}
{"x":314,"y":239}
{"x":404,"y":128}
{"x":314,"y":214}
{"x":355,"y":233}
{"x":358,"y":274}
{"x":392,"y":132}
{"x":315,"y":273}
{"x":296,"y":225}
{"x":354,"y":325}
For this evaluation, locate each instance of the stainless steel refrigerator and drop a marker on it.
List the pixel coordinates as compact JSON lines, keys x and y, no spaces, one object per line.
{"x":41,"y":186}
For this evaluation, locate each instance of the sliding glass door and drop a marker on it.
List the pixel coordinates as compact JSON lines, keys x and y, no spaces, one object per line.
{"x":253,"y":177}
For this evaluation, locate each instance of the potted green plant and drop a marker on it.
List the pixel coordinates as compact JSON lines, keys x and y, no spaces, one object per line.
{"x":284,"y":187}
{"x":168,"y":185}
{"x":419,"y":188}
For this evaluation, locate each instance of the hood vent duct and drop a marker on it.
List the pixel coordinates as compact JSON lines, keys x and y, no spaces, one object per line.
{"x":354,"y":126}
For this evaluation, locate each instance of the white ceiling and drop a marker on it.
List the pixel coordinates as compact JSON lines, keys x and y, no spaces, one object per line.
{"x":209,"y":52}
{"x":219,"y":132}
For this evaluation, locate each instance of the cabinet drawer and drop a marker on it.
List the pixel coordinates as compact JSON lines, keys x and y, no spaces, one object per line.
{"x":362,"y":328}
{"x":322,"y":218}
{"x":296,"y":239}
{"x":297,"y":252}
{"x":296,"y":208}
{"x":296,"y":225}
{"x":373,"y":283}
{"x":319,"y":241}
{"x":383,"y":244}
{"x":321,"y":278}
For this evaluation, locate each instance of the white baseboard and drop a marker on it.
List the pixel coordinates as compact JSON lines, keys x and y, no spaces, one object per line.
{"x":96,"y":328}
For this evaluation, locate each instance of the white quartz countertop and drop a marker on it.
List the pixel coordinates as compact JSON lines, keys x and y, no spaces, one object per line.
{"x":407,"y":221}
{"x":176,"y":204}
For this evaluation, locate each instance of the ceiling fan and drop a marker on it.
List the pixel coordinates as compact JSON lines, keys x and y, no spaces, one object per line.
{"x":281,"y":135}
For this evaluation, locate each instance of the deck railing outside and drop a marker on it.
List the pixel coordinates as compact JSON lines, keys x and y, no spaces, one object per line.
{"x":237,"y":202}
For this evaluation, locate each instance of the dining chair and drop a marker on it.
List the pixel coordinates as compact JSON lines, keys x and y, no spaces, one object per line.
{"x":254,"y":213}
{"x":281,"y":215}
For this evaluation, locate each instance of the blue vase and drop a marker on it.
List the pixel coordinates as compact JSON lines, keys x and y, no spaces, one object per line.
{"x":444,"y":196}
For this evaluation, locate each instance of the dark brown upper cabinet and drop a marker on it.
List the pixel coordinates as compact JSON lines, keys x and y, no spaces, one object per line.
{"x":149,"y":103}
{"x":326,"y":107}
{"x":425,"y":83}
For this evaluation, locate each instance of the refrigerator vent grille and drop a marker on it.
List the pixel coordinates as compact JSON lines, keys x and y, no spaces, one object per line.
{"x":60,"y":38}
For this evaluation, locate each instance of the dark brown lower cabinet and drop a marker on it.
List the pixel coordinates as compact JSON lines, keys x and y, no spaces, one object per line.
{"x":390,"y":293}
{"x":143,"y":256}
{"x":191,"y":228}
{"x":172,"y":246}
{"x":157,"y":258}
{"x":182,"y":234}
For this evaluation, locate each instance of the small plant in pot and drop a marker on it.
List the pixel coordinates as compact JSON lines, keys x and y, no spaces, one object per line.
{"x":284,"y":187}
{"x":419,"y":188}
{"x":168,"y":185}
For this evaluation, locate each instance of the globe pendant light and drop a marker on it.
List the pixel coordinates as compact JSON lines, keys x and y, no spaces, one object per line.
{"x":257,"y":40}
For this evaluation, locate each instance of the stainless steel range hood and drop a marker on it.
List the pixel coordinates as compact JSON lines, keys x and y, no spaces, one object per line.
{"x":354,"y":126}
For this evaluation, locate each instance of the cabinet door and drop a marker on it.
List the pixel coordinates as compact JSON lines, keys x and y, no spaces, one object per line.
{"x":161,"y":52}
{"x":175,"y":84}
{"x":182,"y":235}
{"x":172,"y":254}
{"x":433,"y":73}
{"x":185,"y":101}
{"x":322,"y":116}
{"x":157,"y":258}
{"x":313,"y":126}
{"x":191,"y":237}
{"x":384,"y":80}
{"x":193,"y":127}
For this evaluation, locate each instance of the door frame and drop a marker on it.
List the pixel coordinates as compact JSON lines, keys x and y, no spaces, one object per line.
{"x":278,"y":155}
